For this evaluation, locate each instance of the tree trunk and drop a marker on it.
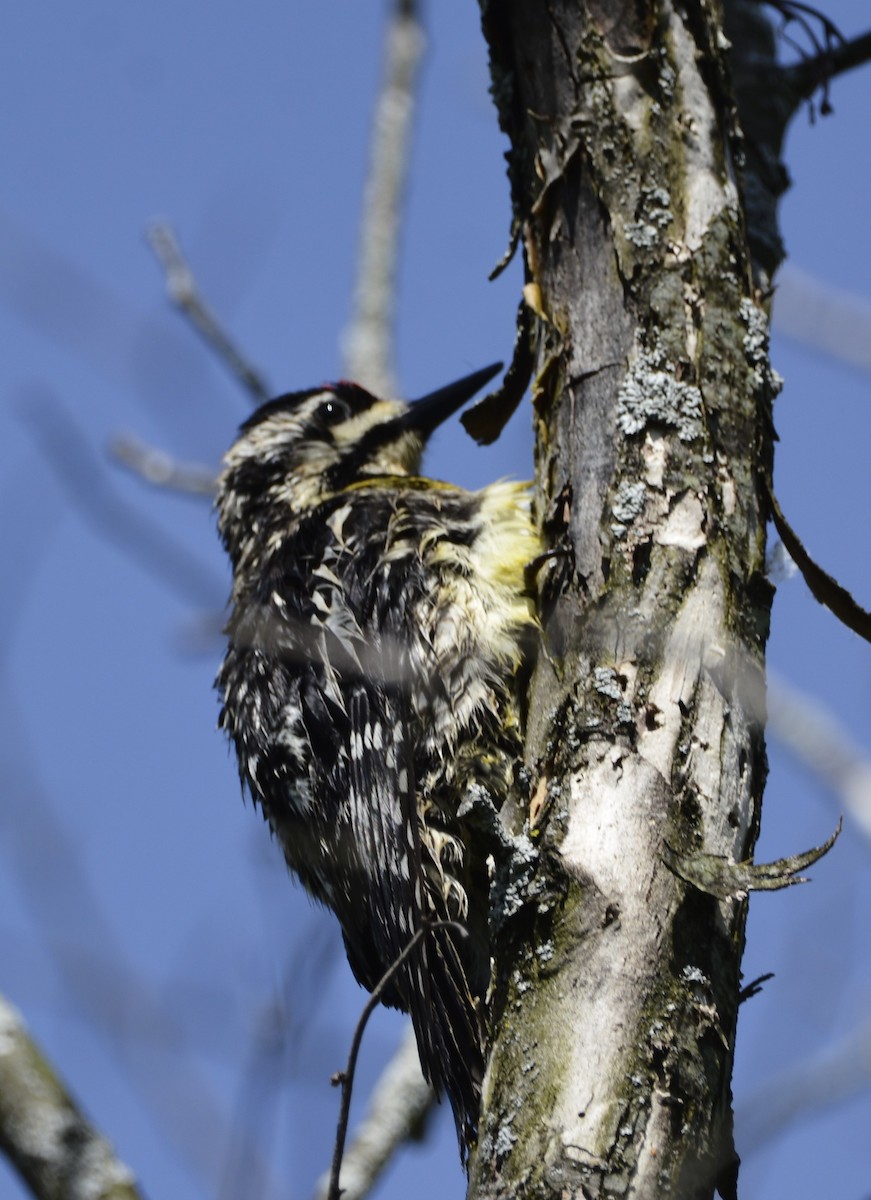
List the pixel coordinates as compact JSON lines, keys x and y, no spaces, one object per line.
{"x":617,"y":979}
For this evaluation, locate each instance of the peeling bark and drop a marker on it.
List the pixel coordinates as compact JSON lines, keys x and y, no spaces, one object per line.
{"x":617,"y":986}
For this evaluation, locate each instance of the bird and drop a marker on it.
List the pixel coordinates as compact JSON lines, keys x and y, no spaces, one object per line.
{"x":381,"y":628}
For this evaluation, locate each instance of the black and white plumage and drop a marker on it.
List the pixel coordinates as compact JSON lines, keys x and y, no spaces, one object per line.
{"x":378,"y":629}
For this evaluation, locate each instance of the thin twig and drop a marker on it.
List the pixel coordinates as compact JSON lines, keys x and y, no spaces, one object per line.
{"x":182,"y":289}
{"x":808,"y":74}
{"x":396,"y":1113}
{"x":368,"y":342}
{"x":805,"y":16}
{"x":346,"y":1077}
{"x":160,"y":469}
{"x":823,"y":587}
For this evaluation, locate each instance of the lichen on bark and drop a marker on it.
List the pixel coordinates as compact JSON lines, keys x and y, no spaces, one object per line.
{"x":617,"y":983}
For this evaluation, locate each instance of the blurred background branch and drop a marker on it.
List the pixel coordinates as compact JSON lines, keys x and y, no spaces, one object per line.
{"x":54,"y":1148}
{"x":182,"y":289}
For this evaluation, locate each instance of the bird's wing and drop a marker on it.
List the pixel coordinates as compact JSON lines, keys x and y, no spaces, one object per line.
{"x":432,"y":986}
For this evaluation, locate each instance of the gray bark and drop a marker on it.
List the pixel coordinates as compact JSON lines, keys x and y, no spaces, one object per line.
{"x":617,"y":985}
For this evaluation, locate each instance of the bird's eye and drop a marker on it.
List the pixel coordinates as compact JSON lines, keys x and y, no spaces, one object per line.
{"x":334,"y":410}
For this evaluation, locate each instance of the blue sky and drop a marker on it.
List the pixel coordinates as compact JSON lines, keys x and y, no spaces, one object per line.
{"x":122,"y":835}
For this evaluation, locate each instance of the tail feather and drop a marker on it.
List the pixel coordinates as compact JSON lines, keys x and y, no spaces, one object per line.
{"x":449,"y":1032}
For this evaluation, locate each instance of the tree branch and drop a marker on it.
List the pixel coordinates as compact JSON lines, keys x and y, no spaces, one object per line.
{"x":182,"y":290}
{"x":57,"y":1152}
{"x":160,"y":469}
{"x":824,"y":589}
{"x":368,"y":342}
{"x":805,"y":76}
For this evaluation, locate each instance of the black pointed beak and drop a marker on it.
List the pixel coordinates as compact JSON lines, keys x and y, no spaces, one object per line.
{"x":427,"y":414}
{"x":420,"y":419}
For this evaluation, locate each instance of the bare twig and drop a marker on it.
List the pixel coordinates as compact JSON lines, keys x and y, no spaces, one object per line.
{"x":823,"y":587}
{"x":807,"y":17}
{"x":397,"y":1110}
{"x":831,"y":60}
{"x":346,"y":1077}
{"x":53,"y":1147}
{"x":161,"y":469}
{"x":823,"y":36}
{"x":182,"y":289}
{"x":368,"y":342}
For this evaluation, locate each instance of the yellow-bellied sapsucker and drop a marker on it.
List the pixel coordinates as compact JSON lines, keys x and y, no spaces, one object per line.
{"x":379,"y":625}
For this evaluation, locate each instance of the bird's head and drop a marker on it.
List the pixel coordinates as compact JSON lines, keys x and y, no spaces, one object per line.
{"x":303,"y":447}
